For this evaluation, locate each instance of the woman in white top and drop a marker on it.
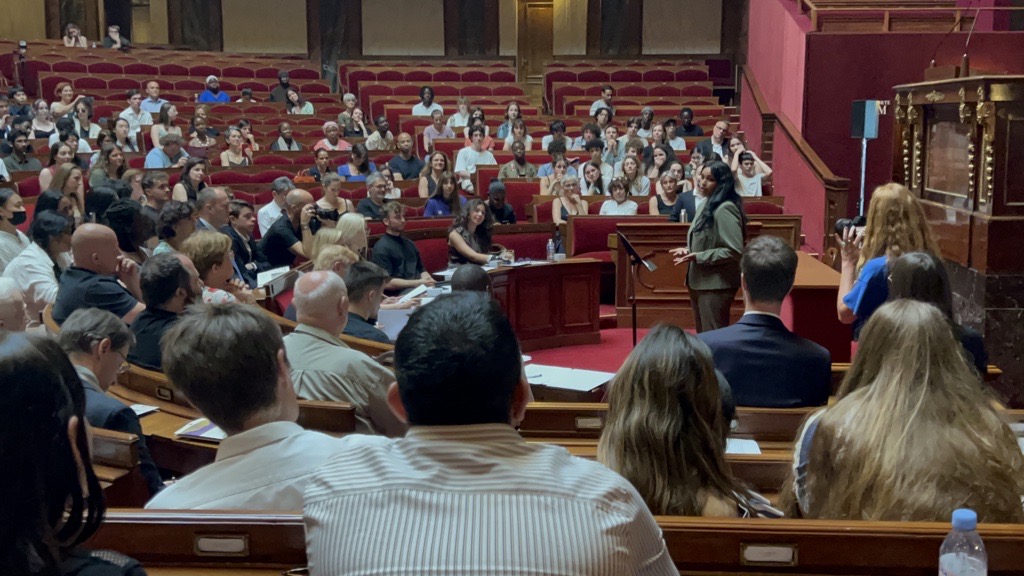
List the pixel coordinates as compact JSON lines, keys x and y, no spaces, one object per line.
{"x":297,"y":104}
{"x":620,"y":204}
{"x":35,"y":269}
{"x":518,"y":132}
{"x":461,"y":117}
{"x":84,"y":125}
{"x":750,"y":172}
{"x":12,"y":214}
{"x":636,"y":183}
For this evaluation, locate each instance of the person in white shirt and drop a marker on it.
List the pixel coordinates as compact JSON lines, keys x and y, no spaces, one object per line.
{"x":325,"y":368}
{"x":269,"y":213}
{"x":750,"y":172}
{"x":463,"y":492}
{"x":426,"y":104}
{"x":605,"y":101}
{"x":36,"y":268}
{"x":229,"y":361}
{"x":676,"y":142}
{"x":620,"y":204}
{"x":134,"y":114}
{"x":470,"y":156}
{"x":12,"y":307}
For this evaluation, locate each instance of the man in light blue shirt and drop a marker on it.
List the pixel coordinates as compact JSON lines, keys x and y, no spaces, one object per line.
{"x":152,"y":102}
{"x":169,"y":154}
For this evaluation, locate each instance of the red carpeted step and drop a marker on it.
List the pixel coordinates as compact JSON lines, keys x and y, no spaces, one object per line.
{"x":609,"y":317}
{"x":607,"y":356}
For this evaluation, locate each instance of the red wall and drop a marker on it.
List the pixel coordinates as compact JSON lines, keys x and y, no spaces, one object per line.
{"x":804,"y":193}
{"x":841,"y":68}
{"x":776,"y":52}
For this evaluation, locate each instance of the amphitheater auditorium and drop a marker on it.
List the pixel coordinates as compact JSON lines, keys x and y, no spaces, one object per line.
{"x":547,"y":287}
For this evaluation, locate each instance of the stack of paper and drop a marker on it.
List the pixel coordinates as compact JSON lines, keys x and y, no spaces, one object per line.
{"x":566,"y":378}
{"x":201,"y":429}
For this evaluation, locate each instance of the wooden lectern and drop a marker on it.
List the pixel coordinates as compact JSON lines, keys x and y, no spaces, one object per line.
{"x":960,"y":148}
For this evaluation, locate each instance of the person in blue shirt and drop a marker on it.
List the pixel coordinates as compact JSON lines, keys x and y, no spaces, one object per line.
{"x":212,"y":92}
{"x":446,"y":199}
{"x":895,"y":225}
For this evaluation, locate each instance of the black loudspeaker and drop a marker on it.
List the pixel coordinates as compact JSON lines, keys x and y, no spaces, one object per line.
{"x":864,"y":120}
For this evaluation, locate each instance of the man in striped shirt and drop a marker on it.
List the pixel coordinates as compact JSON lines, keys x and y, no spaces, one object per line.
{"x":462,"y":492}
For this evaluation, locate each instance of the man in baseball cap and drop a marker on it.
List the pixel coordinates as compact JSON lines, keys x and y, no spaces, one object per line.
{"x":212,"y":92}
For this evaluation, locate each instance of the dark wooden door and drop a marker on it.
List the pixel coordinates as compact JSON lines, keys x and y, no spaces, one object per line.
{"x":535,"y":45}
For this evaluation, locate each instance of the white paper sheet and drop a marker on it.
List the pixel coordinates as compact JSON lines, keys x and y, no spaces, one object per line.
{"x":421,"y":289}
{"x":566,"y":378}
{"x":143,"y":409}
{"x":741,"y":446}
{"x":264,"y":278}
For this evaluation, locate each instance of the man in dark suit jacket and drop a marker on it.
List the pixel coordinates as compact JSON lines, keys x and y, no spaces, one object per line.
{"x":765,"y":363}
{"x":718,"y":143}
{"x":97,"y":343}
{"x":249,"y":258}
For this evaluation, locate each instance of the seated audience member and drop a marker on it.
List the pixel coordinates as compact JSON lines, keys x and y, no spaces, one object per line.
{"x":358,"y":167}
{"x":922,"y":276}
{"x":97,"y":343}
{"x":133,"y":229}
{"x":446,"y":200}
{"x":431,"y":174}
{"x":672,"y":138}
{"x":372,"y":207}
{"x":555,"y":150}
{"x":620,"y":204}
{"x":591,"y":182}
{"x":229,"y":361}
{"x":73,"y":37}
{"x":750,"y":172}
{"x":766,"y":364}
{"x":236,"y":156}
{"x":405,"y":162}
{"x":152,"y":102}
{"x":210,"y":251}
{"x":909,"y":381}
{"x":203,"y":137}
{"x":349,"y":100}
{"x":567,"y":200}
{"x":332,"y":138}
{"x":686,"y":126}
{"x":636,"y":183}
{"x":332,"y":258}
{"x":19,"y":159}
{"x":12,"y":307}
{"x":280,"y":92}
{"x":426,"y":106}
{"x":325,"y":368}
{"x":595,"y":150}
{"x":560,"y":167}
{"x":469,"y":236}
{"x":590,"y":132}
{"x":605,"y":101}
{"x":354,"y":234}
{"x":471,"y":278}
{"x":175,"y":224}
{"x":437,"y":129}
{"x":249,"y":259}
{"x":557,"y":129}
{"x":502,"y":212}
{"x":518,"y":133}
{"x":470,"y":156}
{"x":290,"y":237}
{"x":895,"y":225}
{"x":246,"y":96}
{"x":212,"y":206}
{"x":518,"y":167}
{"x":398,"y":255}
{"x":36,"y":269}
{"x":296,"y":104}
{"x":670,"y":377}
{"x":54,"y":201}
{"x":134,"y":114}
{"x":355,"y":126}
{"x":170,"y":283}
{"x":657,"y":140}
{"x":461,"y":388}
{"x":646,"y":122}
{"x":42,"y":422}
{"x":478,"y":119}
{"x":169,"y":155}
{"x":365,"y":282}
{"x":460,"y":119}
{"x":668,"y":201}
{"x":269,"y":213}
{"x":285,"y":141}
{"x":512,"y":114}
{"x":97,"y":202}
{"x":100,"y":277}
{"x":114,"y":39}
{"x":166,"y":123}
{"x":381,"y":138}
{"x":331,"y":202}
{"x":661,"y":161}
{"x":83,"y":124}
{"x":157,"y":191}
{"x":321,"y":165}
{"x":717,"y":143}
{"x":12,"y":215}
{"x":213,"y":92}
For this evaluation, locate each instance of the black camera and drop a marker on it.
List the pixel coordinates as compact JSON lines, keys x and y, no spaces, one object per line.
{"x":856,"y":222}
{"x":327,"y":214}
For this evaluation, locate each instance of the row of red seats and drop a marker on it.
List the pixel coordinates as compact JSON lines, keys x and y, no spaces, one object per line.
{"x":561,"y":90}
{"x":367,"y":88}
{"x":425,"y":75}
{"x":631,"y":74}
{"x":83,"y":82}
{"x":189,"y":97}
{"x":347,"y":65}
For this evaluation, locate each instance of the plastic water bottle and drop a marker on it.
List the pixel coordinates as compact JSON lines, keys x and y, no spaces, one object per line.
{"x":962,"y":552}
{"x":551,"y":250}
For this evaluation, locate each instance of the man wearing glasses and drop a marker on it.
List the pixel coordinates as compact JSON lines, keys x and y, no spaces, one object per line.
{"x":97,"y":343}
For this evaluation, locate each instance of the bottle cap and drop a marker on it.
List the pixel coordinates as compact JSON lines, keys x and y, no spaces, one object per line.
{"x":964,"y":519}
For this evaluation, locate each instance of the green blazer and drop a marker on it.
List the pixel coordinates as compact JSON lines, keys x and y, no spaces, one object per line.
{"x":718,"y":249}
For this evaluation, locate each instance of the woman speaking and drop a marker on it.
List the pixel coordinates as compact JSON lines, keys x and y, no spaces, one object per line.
{"x":714,"y":246}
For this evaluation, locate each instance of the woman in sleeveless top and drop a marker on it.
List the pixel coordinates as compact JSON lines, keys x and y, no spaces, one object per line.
{"x":165,"y":124}
{"x":668,"y":197}
{"x":568,"y":202}
{"x":234,"y":157}
{"x":431,"y":174}
{"x":331,"y":185}
{"x":469,"y":238}
{"x":193,"y":179}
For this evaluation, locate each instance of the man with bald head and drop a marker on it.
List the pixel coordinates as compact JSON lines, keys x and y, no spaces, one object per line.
{"x":405,"y":162}
{"x":100,"y":277}
{"x":325,"y":368}
{"x":290,"y":235}
{"x":12,"y":306}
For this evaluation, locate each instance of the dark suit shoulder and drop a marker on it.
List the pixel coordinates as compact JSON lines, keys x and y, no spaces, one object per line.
{"x":105,"y":412}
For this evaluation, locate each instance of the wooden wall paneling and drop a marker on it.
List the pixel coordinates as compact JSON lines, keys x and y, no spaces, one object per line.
{"x":55,"y":13}
{"x":471,"y":28}
{"x":195,"y":23}
{"x":594,"y":27}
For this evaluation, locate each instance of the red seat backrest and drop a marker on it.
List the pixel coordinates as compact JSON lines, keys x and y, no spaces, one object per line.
{"x":532,"y":245}
{"x":590,"y":233}
{"x":519,"y":194}
{"x":755,"y":207}
{"x":434,"y":253}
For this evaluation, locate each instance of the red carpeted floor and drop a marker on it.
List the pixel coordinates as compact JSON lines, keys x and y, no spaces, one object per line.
{"x":616,"y":344}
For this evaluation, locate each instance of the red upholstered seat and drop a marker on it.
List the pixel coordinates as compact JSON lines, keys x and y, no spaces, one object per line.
{"x":137,"y":162}
{"x":626,"y":75}
{"x":632,"y":90}
{"x":141,"y":69}
{"x":408,"y":90}
{"x":93,"y":83}
{"x":657,"y":75}
{"x":284,"y":299}
{"x":502,"y":76}
{"x":423,"y":223}
{"x":203,"y":70}
{"x":443,"y":90}
{"x":691,"y":76}
{"x":603,"y":256}
{"x":265,"y":72}
{"x":532,"y":246}
{"x":312,"y":88}
{"x":419,"y":76}
{"x":755,"y":207}
{"x":29,"y":187}
{"x":230,"y":177}
{"x":190,"y":84}
{"x":268,"y":176}
{"x":69,"y":66}
{"x":695,"y":90}
{"x":270,"y":160}
{"x":303,"y":74}
{"x":446,"y":76}
{"x":590,"y":233}
{"x":474,"y":76}
{"x":237,"y":72}
{"x":172,"y":69}
{"x":542,"y":211}
{"x":434,"y":253}
{"x":476,"y":90}
{"x":105,"y":68}
{"x":593,"y":76}
{"x":519,"y":194}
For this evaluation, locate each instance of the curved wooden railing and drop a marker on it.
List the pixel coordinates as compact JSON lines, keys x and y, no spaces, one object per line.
{"x":773,"y":124}
{"x":894,"y":15}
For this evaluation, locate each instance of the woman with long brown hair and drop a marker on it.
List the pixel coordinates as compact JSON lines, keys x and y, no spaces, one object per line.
{"x":666,"y":433}
{"x":895,"y":225}
{"x":913,"y":434}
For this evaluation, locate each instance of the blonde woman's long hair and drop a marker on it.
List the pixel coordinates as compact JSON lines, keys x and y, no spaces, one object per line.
{"x":895,"y":225}
{"x":329,"y":255}
{"x":353,"y":233}
{"x":325,"y":237}
{"x":665,"y":431}
{"x":913,"y":435}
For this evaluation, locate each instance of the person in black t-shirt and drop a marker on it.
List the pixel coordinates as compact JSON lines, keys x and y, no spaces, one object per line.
{"x":169,"y":283}
{"x":290,"y":235}
{"x":397,"y":255}
{"x":503,"y":213}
